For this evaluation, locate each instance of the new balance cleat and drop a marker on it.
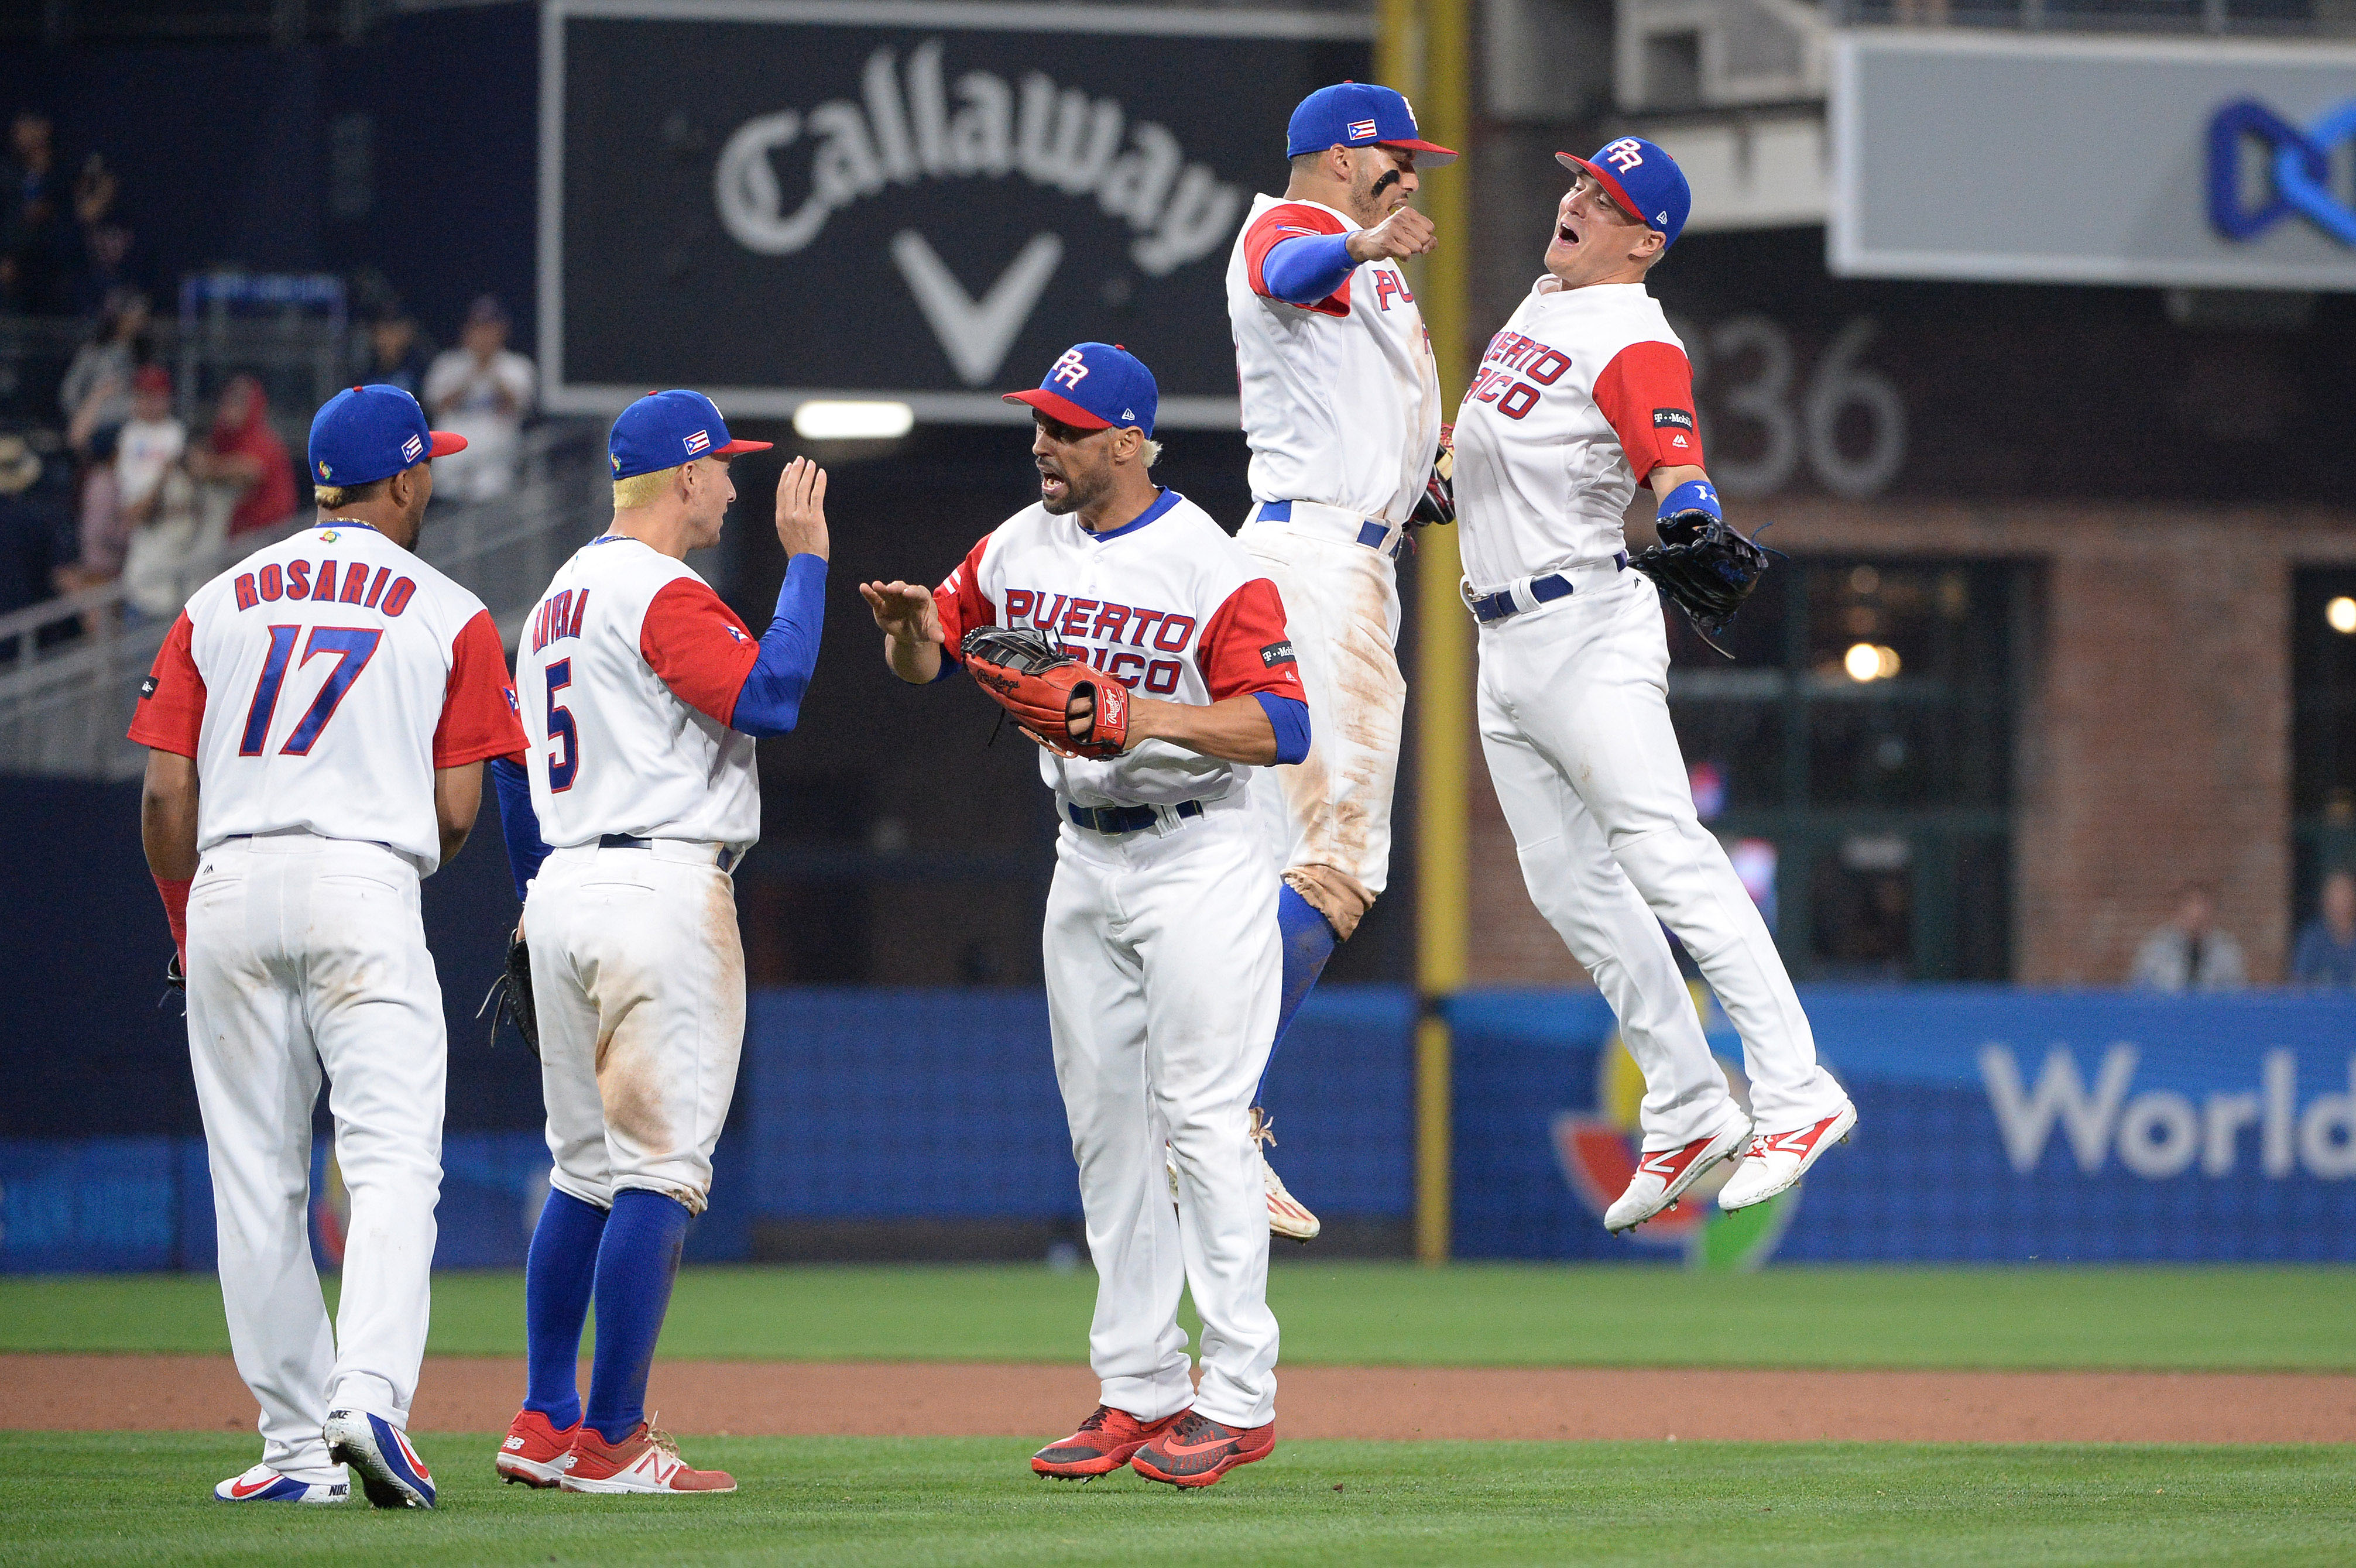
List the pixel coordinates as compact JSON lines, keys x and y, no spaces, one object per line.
{"x":1287,"y":1215}
{"x":1776,"y":1160}
{"x":646,"y":1461}
{"x":1663,"y":1174}
{"x":534,"y":1450}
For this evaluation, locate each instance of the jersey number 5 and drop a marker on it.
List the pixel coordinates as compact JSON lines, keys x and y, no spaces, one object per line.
{"x":353,"y":648}
{"x":560,"y":724}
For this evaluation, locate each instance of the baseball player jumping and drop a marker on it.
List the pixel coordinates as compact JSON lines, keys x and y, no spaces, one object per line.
{"x":643,"y":694}
{"x":1585,"y":394}
{"x":317,"y":721}
{"x":1174,"y":680}
{"x":1341,"y":404}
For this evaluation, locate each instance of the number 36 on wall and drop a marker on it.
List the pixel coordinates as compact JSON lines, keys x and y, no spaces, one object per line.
{"x":1842,"y":408}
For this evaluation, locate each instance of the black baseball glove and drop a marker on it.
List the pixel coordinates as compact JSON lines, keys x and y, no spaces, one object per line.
{"x":1707,"y":568}
{"x":1438,"y":504}
{"x":512,"y":992}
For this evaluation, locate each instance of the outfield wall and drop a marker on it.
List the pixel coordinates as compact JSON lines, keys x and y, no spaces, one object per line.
{"x":1996,"y":1125}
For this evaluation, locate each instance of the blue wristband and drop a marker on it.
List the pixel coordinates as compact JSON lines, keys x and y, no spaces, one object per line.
{"x":1693,"y":496}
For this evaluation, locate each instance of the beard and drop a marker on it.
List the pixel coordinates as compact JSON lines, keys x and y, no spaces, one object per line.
{"x":1367,"y":196}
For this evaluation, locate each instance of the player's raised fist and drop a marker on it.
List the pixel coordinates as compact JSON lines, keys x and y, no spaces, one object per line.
{"x":802,"y":510}
{"x":1404,"y":233}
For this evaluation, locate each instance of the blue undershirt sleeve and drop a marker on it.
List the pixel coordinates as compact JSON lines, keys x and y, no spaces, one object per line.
{"x":519,"y":823}
{"x":770,"y":701}
{"x":1289,"y":717}
{"x":1307,"y":267}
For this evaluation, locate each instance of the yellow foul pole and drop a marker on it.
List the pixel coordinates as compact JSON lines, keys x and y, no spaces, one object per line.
{"x":1421,"y":50}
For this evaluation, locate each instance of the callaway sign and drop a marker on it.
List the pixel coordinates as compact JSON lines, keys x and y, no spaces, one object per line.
{"x":777,"y":201}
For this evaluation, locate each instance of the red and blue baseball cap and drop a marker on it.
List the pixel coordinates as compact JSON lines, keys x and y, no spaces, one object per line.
{"x":1644,"y":179}
{"x":663,"y":429}
{"x":366,"y":433}
{"x":1359,"y":115}
{"x":1096,"y":385}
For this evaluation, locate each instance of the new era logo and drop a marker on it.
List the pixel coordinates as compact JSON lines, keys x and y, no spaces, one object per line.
{"x":1362,"y":130}
{"x":410,"y":449}
{"x":699,"y":441}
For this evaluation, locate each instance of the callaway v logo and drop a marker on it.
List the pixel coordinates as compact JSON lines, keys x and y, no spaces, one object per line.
{"x":903,"y":131}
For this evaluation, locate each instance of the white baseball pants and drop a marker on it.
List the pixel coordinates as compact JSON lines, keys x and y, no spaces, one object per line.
{"x":1332,"y":811}
{"x":637,"y":970}
{"x":1574,"y":718}
{"x":1162,"y":965}
{"x":308,"y":953}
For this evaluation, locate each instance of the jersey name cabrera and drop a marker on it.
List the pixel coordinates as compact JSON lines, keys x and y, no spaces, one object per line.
{"x":1168,"y":605}
{"x":1581,"y":396}
{"x":1341,"y":399}
{"x":320,"y":682}
{"x":628,"y":672}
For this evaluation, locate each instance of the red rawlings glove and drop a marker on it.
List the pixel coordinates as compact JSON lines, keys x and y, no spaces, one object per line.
{"x":1045,"y":688}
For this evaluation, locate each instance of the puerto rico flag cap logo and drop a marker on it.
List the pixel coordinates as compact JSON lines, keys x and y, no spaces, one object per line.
{"x":366,"y":433}
{"x":1360,"y":114}
{"x":663,"y":429}
{"x":1643,"y":179}
{"x":1096,"y":385}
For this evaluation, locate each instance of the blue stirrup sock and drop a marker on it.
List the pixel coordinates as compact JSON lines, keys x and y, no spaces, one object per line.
{"x":637,"y":1261}
{"x":1308,"y":941}
{"x":557,"y":1276}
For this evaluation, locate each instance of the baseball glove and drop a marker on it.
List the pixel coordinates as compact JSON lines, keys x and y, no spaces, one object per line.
{"x":1041,"y":686}
{"x":1707,"y":568}
{"x":1438,"y":502}
{"x":512,"y":992}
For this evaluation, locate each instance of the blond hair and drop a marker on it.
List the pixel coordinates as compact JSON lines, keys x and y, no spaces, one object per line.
{"x":335,"y":497}
{"x":1152,"y":451}
{"x":644,"y":489}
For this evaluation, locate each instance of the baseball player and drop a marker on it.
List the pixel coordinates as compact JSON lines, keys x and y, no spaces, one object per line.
{"x":317,"y":721}
{"x":1161,"y":944}
{"x":1585,"y":394}
{"x":1341,"y":404}
{"x":642,"y":697}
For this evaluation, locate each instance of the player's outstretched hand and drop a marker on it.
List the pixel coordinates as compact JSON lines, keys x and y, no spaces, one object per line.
{"x":904,"y":612}
{"x":1404,"y":233}
{"x":802,"y":510}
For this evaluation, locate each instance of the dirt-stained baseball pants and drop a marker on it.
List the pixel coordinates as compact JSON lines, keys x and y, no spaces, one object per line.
{"x":1162,"y":966}
{"x":307,"y":954}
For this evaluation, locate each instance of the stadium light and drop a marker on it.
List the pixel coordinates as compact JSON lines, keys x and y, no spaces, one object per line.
{"x":2340,"y":615}
{"x":825,"y":421}
{"x":1861,"y":662}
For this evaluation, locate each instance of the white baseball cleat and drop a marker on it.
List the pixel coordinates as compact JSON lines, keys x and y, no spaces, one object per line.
{"x":1287,"y":1215}
{"x":1663,"y":1174}
{"x":390,"y":1474}
{"x":264,"y":1484}
{"x":645,"y":1461}
{"x":1776,"y":1160}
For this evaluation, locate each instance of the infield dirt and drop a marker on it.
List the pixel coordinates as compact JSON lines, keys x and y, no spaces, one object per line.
{"x":893,"y":1399}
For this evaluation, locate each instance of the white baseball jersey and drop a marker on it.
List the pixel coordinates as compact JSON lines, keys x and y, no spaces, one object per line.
{"x":1341,"y":399}
{"x":1581,"y":395}
{"x":628,"y":673}
{"x":1168,"y":605}
{"x":320,"y":682}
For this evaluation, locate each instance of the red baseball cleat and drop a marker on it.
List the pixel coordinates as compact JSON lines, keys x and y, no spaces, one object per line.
{"x":1102,"y":1444}
{"x":1776,"y":1160}
{"x":645,"y":1461}
{"x":1663,"y":1174}
{"x":534,"y":1450}
{"x":1197,"y":1451}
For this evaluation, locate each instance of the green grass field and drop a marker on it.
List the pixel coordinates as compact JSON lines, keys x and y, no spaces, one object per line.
{"x":1359,"y":1314}
{"x":953,"y":1501}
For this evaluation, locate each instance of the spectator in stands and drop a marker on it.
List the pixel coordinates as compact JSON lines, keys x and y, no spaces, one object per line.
{"x":96,"y":393}
{"x":146,"y":444}
{"x":243,"y":455}
{"x":104,"y":526}
{"x":32,"y":222}
{"x":2189,"y":952}
{"x":171,"y":550}
{"x":101,"y":262}
{"x":396,"y":358}
{"x":481,"y":391}
{"x":2326,"y":954}
{"x":23,"y":532}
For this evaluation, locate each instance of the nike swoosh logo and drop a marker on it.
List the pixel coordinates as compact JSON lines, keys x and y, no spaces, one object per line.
{"x":1176,"y":1450}
{"x":240,"y":1491}
{"x":976,"y":333}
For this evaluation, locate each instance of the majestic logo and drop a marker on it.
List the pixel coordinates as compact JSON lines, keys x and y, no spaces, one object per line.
{"x":907,"y":127}
{"x":1625,"y":154}
{"x":411,"y":450}
{"x":2300,"y":167}
{"x":1599,"y":1152}
{"x":699,"y":441}
{"x":1070,"y":369}
{"x":147,"y":689}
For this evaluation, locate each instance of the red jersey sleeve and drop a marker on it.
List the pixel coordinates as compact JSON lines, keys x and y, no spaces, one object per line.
{"x":172,"y":699}
{"x":1284,"y":222}
{"x":479,"y":712}
{"x":960,"y":601}
{"x":1245,"y":648}
{"x":698,"y":648}
{"x":1647,"y":394}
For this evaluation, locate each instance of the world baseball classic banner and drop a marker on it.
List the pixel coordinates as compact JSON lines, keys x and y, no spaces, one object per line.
{"x":1993,"y":1125}
{"x":774,"y":200}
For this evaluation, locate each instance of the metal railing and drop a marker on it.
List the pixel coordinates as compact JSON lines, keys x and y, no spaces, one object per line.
{"x":2254,"y":18}
{"x":65,"y":704}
